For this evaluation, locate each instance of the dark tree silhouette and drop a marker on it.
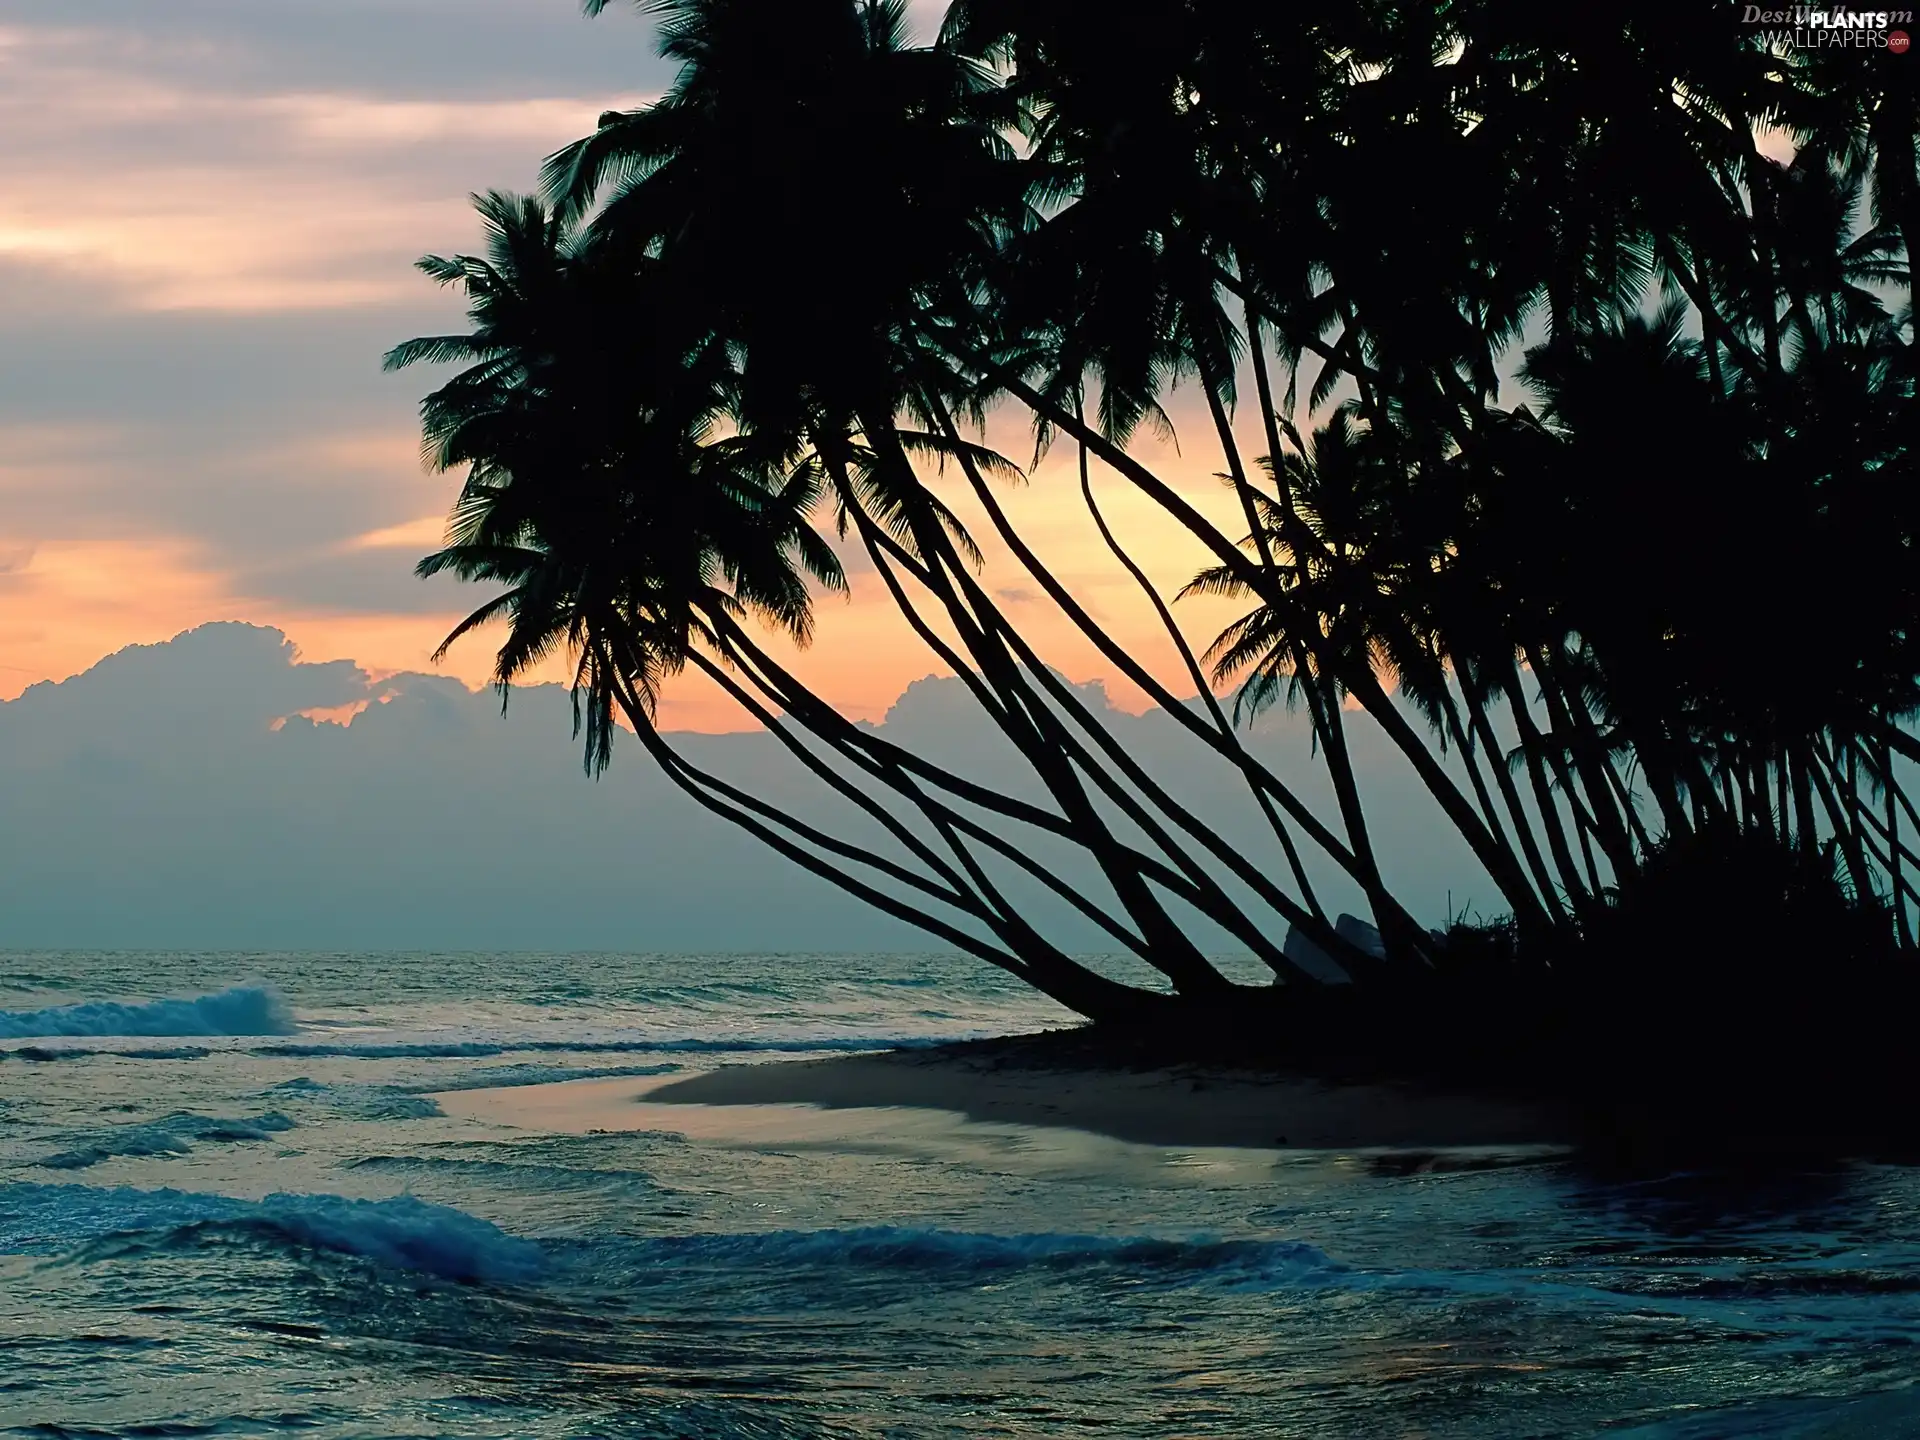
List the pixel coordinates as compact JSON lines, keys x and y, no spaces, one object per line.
{"x":1584,"y":468}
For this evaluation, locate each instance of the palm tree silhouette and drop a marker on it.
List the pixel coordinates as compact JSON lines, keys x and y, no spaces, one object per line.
{"x":1582,"y":419}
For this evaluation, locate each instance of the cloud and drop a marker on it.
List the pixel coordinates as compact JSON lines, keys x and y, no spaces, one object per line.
{"x":425,"y":533}
{"x":456,"y":49}
{"x":217,"y":791}
{"x":187,"y":191}
{"x":209,"y":211}
{"x":208,"y":214}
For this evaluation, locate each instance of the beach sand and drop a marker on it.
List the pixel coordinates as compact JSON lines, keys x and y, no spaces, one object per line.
{"x":1026,"y":1082}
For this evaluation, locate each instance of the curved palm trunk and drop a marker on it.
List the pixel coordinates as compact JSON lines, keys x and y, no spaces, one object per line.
{"x":1470,"y":757}
{"x":1893,"y":738}
{"x":986,"y":897}
{"x":1803,"y":801}
{"x":1532,"y":747}
{"x":1846,"y":828}
{"x":1037,"y":964}
{"x":1402,"y":940}
{"x":1458,"y":809}
{"x":1219,"y":737}
{"x":1783,"y":807}
{"x":897,"y":769}
{"x":1893,"y":846}
{"x":1569,"y":712}
{"x":1031,"y":725}
{"x":1503,"y":777}
{"x":1661,"y":780}
{"x":1313,"y":921}
{"x":1167,"y":949}
{"x":1202,"y":689}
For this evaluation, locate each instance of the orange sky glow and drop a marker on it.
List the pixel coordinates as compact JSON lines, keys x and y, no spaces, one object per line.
{"x":221,"y":248}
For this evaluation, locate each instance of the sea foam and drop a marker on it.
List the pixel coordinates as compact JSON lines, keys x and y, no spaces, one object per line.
{"x":241,"y":1010}
{"x":404,"y":1233}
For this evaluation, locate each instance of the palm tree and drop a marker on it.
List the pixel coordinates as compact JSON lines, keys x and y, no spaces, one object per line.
{"x":597,"y":490}
{"x":790,"y":289}
{"x":634,"y":528}
{"x":841,"y":333}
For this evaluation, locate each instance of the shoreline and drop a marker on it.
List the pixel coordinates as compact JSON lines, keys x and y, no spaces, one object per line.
{"x":1052,"y":1080}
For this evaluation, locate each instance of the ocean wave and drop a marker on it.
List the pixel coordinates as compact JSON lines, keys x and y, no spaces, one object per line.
{"x":113,"y":1020}
{"x":241,"y":1010}
{"x":44,"y":1054}
{"x":88,"y":1222}
{"x":402,"y":1233}
{"x":1232,"y":1263}
{"x":174,"y":1134}
{"x":355,"y":1102}
{"x":666,"y":1045}
{"x":532,"y":1174}
{"x":499,"y":1077}
{"x":431,"y":1050}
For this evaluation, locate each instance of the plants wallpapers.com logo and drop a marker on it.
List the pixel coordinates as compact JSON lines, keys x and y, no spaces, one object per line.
{"x":1805,"y":28}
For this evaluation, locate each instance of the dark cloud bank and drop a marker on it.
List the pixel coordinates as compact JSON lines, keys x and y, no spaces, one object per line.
{"x":152,"y":803}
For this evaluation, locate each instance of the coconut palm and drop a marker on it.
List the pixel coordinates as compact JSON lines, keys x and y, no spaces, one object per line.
{"x":795,"y":285}
{"x":634,"y":527}
{"x":598,"y":491}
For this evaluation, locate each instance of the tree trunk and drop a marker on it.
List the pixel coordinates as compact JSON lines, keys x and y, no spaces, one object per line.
{"x":1036,"y":733}
{"x":1503,"y":777}
{"x":1531,"y":744}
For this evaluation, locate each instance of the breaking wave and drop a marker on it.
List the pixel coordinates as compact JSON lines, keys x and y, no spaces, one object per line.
{"x":402,"y":1233}
{"x":90,"y":1222}
{"x":241,"y":1010}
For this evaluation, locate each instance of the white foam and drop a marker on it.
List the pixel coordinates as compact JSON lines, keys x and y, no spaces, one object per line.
{"x":241,"y":1010}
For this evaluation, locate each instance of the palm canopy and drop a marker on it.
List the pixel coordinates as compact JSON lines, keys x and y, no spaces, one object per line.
{"x":603,"y":489}
{"x":822,"y":191}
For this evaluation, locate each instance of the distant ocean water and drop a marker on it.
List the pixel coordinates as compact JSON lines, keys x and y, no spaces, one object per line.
{"x":228,"y":1206}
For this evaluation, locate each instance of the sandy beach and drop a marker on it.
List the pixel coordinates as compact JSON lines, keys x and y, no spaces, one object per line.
{"x":1024,"y":1082}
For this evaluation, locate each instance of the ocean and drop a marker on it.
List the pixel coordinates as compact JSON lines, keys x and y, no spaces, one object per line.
{"x":230,"y":1206}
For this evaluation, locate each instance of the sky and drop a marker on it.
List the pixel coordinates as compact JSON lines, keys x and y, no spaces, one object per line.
{"x":204,"y":794}
{"x":208,"y":214}
{"x":209,"y":211}
{"x":219,"y":722}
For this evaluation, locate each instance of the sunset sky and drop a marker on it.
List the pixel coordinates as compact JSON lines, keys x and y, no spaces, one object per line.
{"x":208,"y":210}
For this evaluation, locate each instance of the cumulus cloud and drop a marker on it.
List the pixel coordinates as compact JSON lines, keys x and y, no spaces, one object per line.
{"x":217,"y":791}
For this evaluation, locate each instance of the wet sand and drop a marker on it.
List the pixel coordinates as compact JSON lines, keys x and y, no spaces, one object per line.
{"x":1019,"y":1082}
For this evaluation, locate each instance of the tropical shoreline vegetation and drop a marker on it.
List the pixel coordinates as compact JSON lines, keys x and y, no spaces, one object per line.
{"x":1579,"y":350}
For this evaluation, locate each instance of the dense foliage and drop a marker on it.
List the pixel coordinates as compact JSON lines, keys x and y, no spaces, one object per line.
{"x":1580,"y":343}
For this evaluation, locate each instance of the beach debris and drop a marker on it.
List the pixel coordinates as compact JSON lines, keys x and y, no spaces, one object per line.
{"x":1359,"y":934}
{"x":1300,"y":949}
